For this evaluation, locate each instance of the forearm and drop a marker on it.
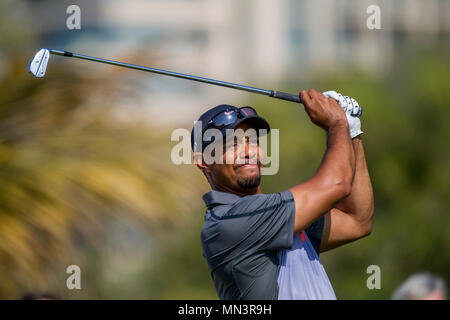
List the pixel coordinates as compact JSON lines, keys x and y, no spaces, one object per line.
{"x":333,"y":180}
{"x":339,"y":161}
{"x":330,"y":184}
{"x":359,"y":203}
{"x":335,"y":174}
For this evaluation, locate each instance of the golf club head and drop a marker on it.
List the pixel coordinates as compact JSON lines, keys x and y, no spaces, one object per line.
{"x":38,"y":65}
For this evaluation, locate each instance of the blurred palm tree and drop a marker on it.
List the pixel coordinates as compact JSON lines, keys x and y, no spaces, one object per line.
{"x":68,"y":164}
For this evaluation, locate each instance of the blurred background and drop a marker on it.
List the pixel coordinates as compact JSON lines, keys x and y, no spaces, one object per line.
{"x":85,"y":171}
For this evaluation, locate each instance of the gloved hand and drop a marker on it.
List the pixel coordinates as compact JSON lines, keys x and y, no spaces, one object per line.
{"x":351,"y":109}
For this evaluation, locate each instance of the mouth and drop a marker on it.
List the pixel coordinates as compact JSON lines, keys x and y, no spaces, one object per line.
{"x":246,"y":166}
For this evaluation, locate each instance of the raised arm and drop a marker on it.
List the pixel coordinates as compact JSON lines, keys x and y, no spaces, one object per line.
{"x":333,"y":180}
{"x":351,"y":219}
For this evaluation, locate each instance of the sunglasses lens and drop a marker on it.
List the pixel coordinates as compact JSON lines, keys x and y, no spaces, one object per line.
{"x":230,"y":116}
{"x":248,"y":111}
{"x":225,"y":118}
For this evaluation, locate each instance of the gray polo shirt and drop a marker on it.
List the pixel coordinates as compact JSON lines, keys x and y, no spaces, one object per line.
{"x":252,"y":252}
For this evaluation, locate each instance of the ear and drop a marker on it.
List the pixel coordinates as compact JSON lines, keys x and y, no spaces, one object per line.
{"x":198,"y":161}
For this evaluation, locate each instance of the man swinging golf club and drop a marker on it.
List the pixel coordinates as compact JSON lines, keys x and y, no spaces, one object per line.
{"x":266,"y":246}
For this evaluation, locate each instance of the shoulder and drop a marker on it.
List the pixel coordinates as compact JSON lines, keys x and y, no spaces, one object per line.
{"x":255,"y":204}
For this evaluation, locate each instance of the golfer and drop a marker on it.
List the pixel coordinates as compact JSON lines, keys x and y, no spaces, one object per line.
{"x":266,"y":246}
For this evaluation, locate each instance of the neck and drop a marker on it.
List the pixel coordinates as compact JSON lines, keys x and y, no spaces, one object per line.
{"x":241,"y":192}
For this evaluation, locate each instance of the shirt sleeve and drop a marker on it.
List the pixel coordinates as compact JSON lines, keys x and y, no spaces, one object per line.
{"x":261,"y":221}
{"x":314,"y":232}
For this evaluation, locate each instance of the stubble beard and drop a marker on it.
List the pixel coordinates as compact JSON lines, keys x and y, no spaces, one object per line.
{"x":249,"y":182}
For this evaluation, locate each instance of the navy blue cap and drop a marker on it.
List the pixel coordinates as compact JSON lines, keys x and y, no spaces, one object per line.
{"x":256,"y":122}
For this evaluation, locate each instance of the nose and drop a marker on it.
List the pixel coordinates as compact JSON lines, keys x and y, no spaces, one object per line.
{"x":248,"y":150}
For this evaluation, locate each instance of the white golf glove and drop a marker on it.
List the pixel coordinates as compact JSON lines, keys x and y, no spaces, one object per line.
{"x":351,"y":109}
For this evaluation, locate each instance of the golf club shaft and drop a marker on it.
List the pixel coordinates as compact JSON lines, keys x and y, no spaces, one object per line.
{"x":270,"y":93}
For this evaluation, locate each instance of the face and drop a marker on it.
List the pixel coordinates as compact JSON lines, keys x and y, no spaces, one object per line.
{"x":240,"y":171}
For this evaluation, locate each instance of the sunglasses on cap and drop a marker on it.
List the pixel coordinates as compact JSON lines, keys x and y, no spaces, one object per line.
{"x":229,"y":116}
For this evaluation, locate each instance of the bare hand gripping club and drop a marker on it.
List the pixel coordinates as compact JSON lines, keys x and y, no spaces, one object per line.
{"x":39,"y":63}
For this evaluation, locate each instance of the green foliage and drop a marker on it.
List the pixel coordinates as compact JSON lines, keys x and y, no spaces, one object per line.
{"x":69,"y":168}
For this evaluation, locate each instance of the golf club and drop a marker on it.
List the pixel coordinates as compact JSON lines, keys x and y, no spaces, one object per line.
{"x":38,"y":66}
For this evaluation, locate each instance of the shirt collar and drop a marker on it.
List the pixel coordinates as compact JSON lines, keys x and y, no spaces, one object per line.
{"x":214,"y":198}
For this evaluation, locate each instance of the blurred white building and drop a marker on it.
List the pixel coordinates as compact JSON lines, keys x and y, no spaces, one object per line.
{"x":253,"y":42}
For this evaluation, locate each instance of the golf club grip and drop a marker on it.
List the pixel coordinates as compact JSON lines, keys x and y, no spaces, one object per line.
{"x":286,"y":96}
